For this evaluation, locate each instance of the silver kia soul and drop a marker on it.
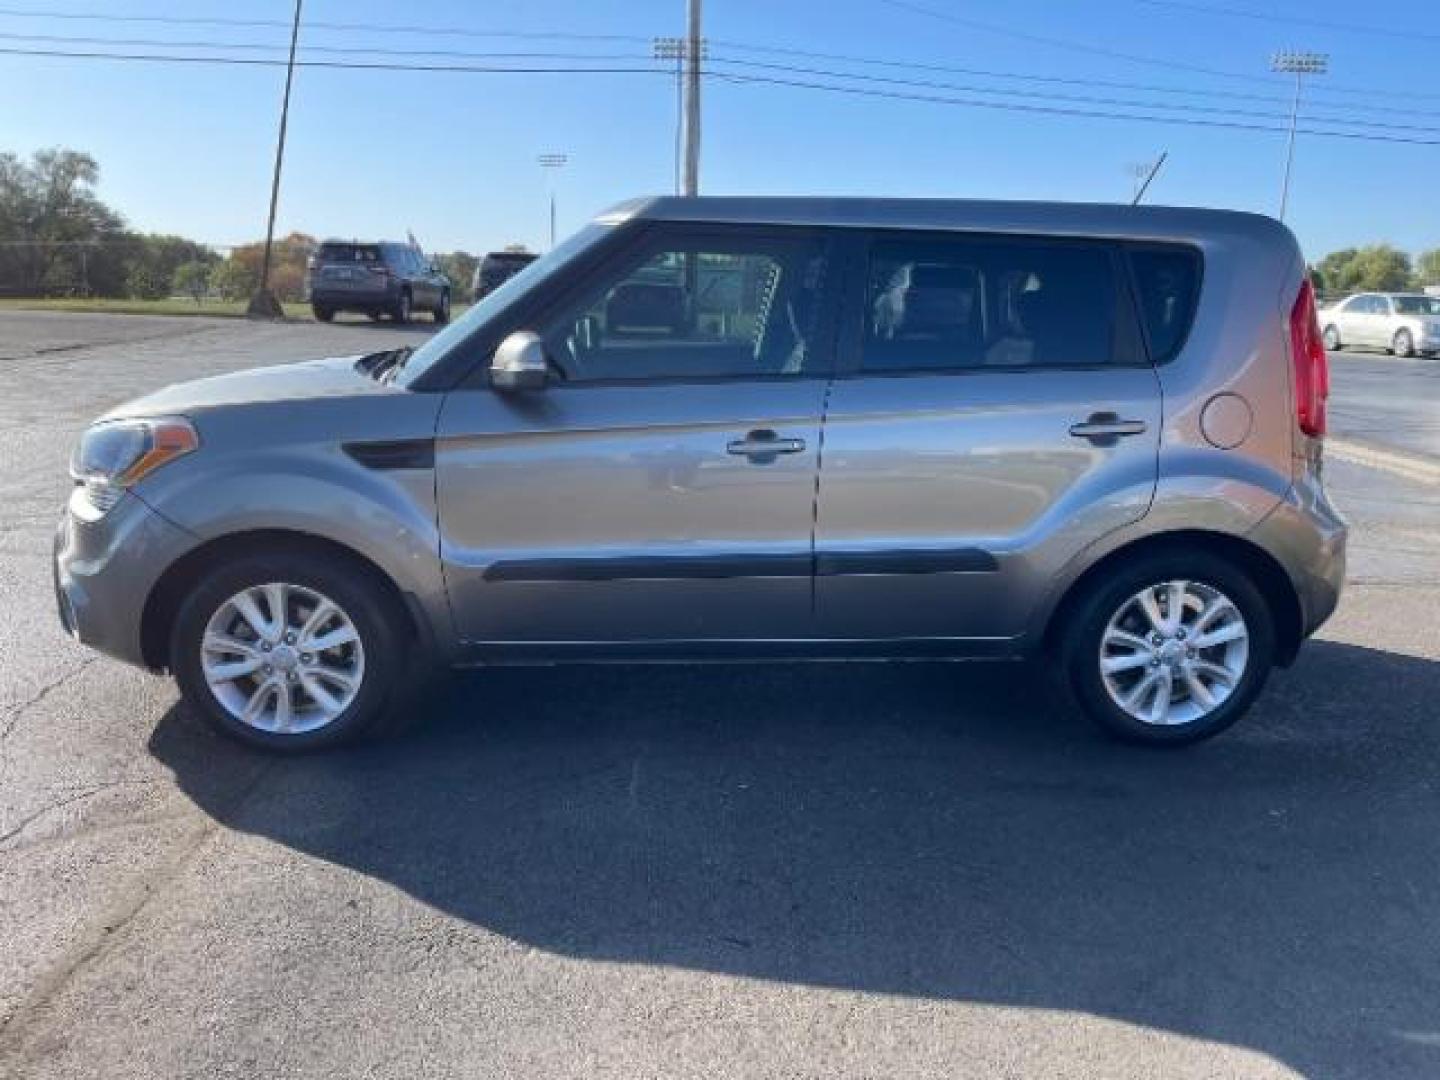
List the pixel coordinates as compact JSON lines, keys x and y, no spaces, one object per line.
{"x":751,"y":428}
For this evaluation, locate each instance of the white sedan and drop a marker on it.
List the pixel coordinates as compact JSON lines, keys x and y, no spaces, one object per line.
{"x":1403,"y":323}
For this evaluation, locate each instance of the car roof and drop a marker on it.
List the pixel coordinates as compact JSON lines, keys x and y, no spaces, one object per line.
{"x":1121,"y":221}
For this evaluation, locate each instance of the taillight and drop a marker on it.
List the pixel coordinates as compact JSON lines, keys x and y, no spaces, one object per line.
{"x":1312,"y":368}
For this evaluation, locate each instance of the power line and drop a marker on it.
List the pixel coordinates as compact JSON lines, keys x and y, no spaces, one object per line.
{"x":1295,"y":20}
{"x":1081,"y":98}
{"x":1169,"y":63}
{"x":731,"y":76}
{"x":1053,"y":110}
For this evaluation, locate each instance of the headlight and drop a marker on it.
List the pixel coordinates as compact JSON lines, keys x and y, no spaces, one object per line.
{"x":115,"y":455}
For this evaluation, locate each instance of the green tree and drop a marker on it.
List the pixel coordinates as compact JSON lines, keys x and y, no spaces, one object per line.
{"x":233,"y":280}
{"x":59,"y":235}
{"x":144,"y":282}
{"x":192,"y":279}
{"x":1378,"y":267}
{"x":1427,"y":267}
{"x":459,"y":267}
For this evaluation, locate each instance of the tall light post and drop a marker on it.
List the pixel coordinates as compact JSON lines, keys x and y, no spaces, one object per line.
{"x":1299,"y":64}
{"x":693,"y":43}
{"x":264,"y":304}
{"x":676,"y":49}
{"x":550,"y":163}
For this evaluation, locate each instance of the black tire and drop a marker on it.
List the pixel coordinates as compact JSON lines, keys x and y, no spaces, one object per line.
{"x":400,"y":313}
{"x":374,"y":316}
{"x":352,"y":586}
{"x":442,"y":311}
{"x":1332,"y":339}
{"x":321,"y":312}
{"x":1402,"y":344}
{"x":1082,"y":631}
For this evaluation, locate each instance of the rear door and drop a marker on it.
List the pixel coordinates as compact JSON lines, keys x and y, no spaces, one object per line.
{"x":662,"y":488}
{"x":996,"y":413}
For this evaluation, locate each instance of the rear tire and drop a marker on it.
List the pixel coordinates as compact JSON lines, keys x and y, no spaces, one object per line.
{"x":1402,"y":344}
{"x":1097,"y":632}
{"x":213,"y":640}
{"x":322,"y":313}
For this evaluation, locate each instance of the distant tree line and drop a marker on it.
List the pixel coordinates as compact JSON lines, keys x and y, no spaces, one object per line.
{"x":1376,"y":268}
{"x":58,"y":239}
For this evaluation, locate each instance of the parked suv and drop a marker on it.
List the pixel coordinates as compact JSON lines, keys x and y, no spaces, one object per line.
{"x":497,"y":268}
{"x":379,"y":279}
{"x":1403,"y":323}
{"x":730,"y":429}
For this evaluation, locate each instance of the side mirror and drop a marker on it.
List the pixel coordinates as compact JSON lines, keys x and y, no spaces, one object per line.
{"x":519,"y":363}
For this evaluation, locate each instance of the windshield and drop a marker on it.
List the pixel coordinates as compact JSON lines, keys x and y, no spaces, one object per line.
{"x":532,"y":276}
{"x":1417,"y":305}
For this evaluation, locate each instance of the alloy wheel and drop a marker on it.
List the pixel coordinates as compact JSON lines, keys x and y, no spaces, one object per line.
{"x":1174,"y":652}
{"x":282,"y":658}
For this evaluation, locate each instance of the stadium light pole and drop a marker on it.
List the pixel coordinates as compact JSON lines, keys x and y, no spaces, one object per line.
{"x":264,"y":304}
{"x":1299,"y":64}
{"x":550,"y":163}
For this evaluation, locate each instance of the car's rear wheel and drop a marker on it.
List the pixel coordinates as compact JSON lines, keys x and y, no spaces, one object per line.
{"x":1169,"y":650}
{"x":1402,"y":343}
{"x":401,"y":311}
{"x":442,"y":310}
{"x":1332,"y":339}
{"x":321,"y":312}
{"x":288,"y":651}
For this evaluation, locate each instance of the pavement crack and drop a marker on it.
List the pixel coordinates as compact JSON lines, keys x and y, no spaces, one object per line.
{"x":88,"y":792}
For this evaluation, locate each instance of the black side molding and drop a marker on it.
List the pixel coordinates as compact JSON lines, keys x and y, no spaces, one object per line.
{"x":652,"y":566}
{"x":394,"y":454}
{"x":926,"y":561}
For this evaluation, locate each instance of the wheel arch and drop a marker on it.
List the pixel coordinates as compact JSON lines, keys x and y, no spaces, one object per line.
{"x":162,"y":605}
{"x":1267,"y":573}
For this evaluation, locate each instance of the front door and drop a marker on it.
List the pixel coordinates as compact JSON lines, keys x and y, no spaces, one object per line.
{"x":999,"y":414}
{"x":662,"y":487}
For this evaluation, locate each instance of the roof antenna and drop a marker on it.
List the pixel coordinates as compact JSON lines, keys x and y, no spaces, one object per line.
{"x":1146,"y":185}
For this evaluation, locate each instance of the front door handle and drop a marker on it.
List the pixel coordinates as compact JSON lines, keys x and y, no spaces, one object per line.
{"x":1106,"y":428}
{"x":762,"y":446}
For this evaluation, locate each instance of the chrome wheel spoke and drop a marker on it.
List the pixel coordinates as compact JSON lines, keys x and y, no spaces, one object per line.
{"x":1174,"y":652}
{"x":283,"y":658}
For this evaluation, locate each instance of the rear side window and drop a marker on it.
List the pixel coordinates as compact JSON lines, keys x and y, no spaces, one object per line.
{"x":349,"y":253}
{"x":951,"y":304}
{"x":1167,"y":285}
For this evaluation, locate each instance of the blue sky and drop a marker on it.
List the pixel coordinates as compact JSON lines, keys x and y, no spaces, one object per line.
{"x":451,"y":156}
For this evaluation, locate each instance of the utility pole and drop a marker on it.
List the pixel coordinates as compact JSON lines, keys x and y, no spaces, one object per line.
{"x":1299,"y":64}
{"x":676,"y":49}
{"x":693,"y":45}
{"x":550,"y":163}
{"x":264,"y":304}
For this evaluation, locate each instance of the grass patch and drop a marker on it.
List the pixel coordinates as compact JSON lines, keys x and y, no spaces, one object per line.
{"x":224,"y":309}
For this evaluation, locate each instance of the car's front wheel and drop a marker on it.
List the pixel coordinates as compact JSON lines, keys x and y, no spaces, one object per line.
{"x":1403,"y":344}
{"x":401,"y":312}
{"x":1169,"y":650}
{"x":288,"y":651}
{"x":321,"y":312}
{"x":1332,"y":339}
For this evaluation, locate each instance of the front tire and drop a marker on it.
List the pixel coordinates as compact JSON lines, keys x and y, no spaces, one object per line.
{"x":1403,"y":344}
{"x":322,"y":313}
{"x":401,"y":312}
{"x":1170,"y":649}
{"x":442,"y":311}
{"x":289,"y":651}
{"x":1332,"y":339}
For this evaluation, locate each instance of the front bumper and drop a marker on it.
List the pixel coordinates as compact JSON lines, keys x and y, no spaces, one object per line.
{"x":105,"y":569}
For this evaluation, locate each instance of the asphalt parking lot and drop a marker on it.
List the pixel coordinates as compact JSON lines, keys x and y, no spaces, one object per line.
{"x":822,"y":871}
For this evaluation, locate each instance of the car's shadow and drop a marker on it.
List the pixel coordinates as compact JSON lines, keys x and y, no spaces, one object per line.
{"x":941,"y":831}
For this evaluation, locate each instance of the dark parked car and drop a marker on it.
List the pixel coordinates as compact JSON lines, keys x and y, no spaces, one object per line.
{"x":379,"y":279}
{"x":499,"y":267}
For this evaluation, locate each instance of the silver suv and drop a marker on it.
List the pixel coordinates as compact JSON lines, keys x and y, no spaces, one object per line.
{"x":729,"y":429}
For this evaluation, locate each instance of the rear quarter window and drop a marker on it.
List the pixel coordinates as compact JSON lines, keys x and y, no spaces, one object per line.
{"x":1167,"y":288}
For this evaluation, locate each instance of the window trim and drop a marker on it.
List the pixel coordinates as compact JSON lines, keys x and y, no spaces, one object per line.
{"x":665,"y":232}
{"x":1128,"y":346}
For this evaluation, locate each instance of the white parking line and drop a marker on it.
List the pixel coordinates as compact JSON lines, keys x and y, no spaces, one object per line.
{"x":1410,"y":466}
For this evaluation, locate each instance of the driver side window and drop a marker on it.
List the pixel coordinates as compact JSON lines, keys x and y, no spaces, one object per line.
{"x":703,"y":308}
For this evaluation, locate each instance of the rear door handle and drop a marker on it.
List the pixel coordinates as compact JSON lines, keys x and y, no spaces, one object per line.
{"x":1106,"y":428}
{"x":762,"y":446}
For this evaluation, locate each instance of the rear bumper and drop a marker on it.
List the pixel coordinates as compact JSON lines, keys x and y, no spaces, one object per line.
{"x":105,"y":569}
{"x":332,"y":297}
{"x":1308,"y":536}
